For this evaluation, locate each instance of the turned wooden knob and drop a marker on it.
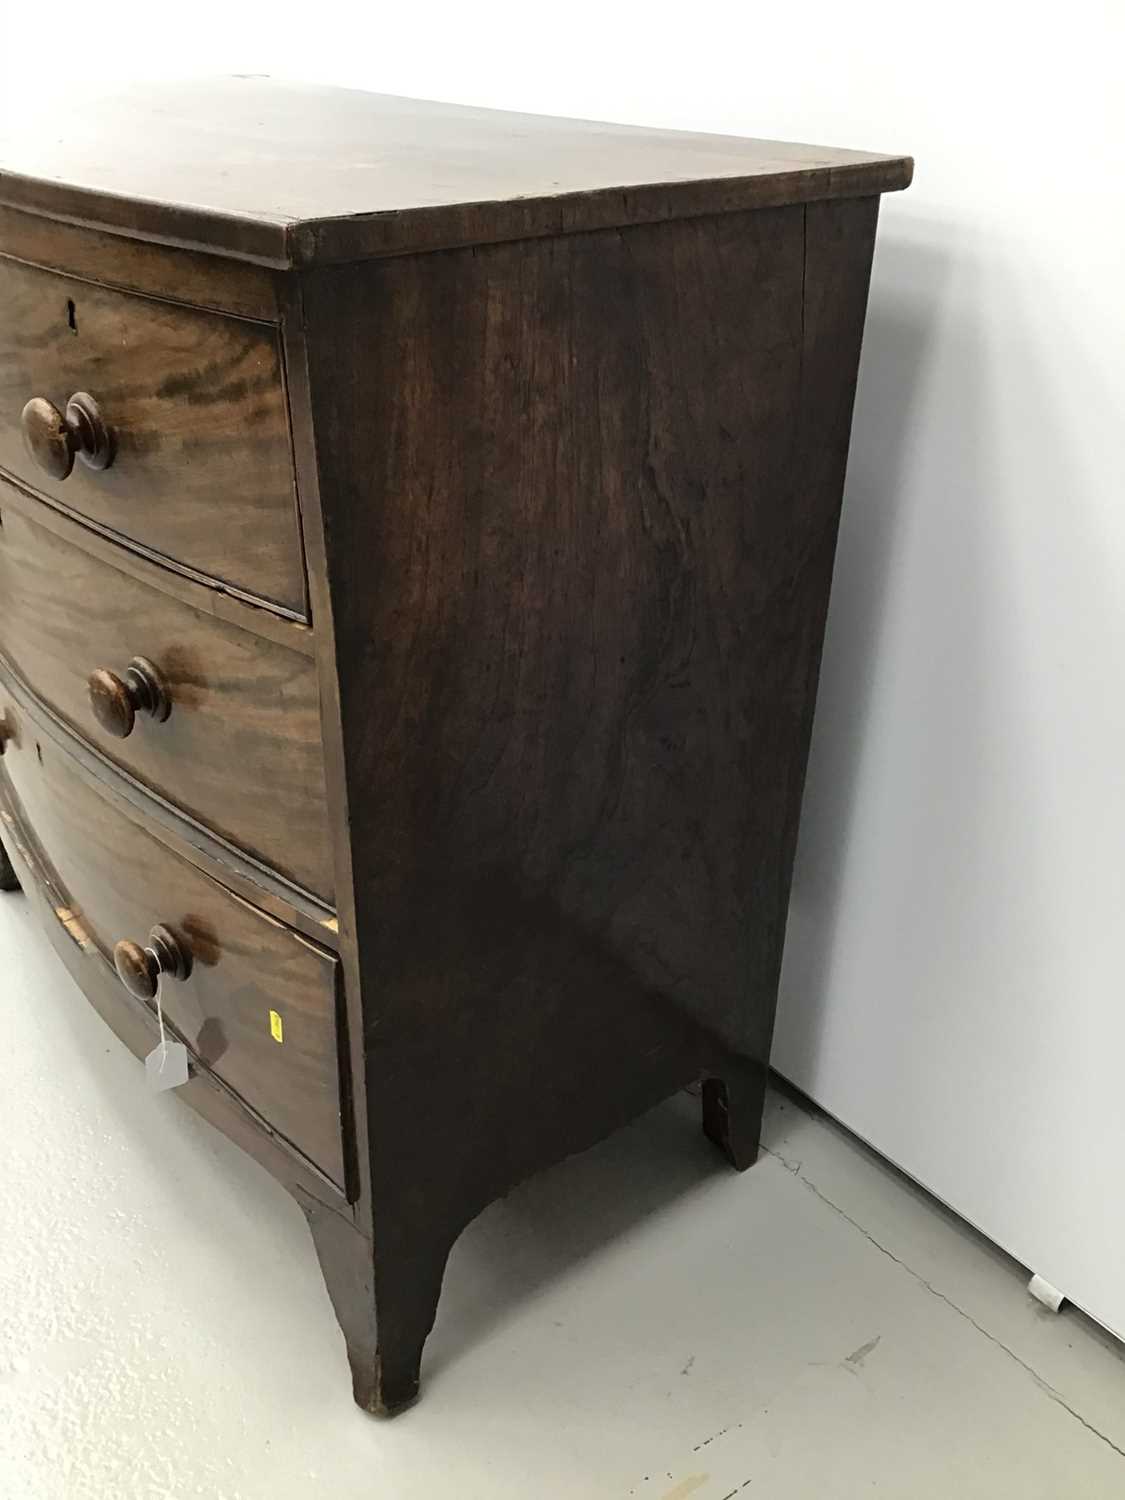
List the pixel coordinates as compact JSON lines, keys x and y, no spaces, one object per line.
{"x":54,"y":438}
{"x":116,"y":701}
{"x":139,"y":969}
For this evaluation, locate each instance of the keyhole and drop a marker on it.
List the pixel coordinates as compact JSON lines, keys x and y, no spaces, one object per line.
{"x":71,"y":321}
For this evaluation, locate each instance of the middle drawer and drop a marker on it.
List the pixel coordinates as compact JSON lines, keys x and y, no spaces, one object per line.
{"x":240,"y":749}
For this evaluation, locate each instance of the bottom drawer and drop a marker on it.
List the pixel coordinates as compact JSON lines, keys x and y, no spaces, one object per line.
{"x":260,"y":1005}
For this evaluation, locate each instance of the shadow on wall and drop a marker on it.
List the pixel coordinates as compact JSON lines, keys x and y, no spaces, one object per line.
{"x":909,"y":294}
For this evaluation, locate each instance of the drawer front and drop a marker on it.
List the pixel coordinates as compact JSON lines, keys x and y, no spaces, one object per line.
{"x":202,"y":469}
{"x":116,"y":881}
{"x":240,"y":750}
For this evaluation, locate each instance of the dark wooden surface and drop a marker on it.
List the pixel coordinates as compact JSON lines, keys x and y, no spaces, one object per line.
{"x":207,"y":281}
{"x":202,"y":470}
{"x":183,"y":836}
{"x":293,"y":174}
{"x":569,"y":492}
{"x":322,"y":604}
{"x":158,"y":573}
{"x":136,"y":1026}
{"x":579,"y":553}
{"x":118,"y":881}
{"x":240,"y":750}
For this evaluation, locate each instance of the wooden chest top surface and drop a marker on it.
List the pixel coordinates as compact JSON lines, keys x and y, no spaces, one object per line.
{"x":290,"y":174}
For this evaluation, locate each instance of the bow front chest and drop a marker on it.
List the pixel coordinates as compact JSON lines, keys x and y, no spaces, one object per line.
{"x":417,"y":530}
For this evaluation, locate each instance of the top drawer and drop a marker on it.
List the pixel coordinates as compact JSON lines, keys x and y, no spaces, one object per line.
{"x":201,"y":469}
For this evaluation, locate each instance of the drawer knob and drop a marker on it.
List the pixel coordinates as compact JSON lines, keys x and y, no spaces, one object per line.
{"x":139,"y":969}
{"x":55,"y":438}
{"x":117,"y":701}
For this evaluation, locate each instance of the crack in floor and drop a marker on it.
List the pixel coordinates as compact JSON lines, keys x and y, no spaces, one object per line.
{"x":794,"y":1170}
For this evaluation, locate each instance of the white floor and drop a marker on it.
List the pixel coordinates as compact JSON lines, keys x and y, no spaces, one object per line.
{"x":639,"y":1322}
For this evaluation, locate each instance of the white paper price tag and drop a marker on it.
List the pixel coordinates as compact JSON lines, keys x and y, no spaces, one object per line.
{"x":166,"y":1066}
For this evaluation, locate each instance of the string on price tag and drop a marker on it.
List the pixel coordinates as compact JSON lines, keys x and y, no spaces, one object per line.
{"x":166,"y":1066}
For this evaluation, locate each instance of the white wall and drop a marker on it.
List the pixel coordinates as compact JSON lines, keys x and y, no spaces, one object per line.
{"x":953,"y":980}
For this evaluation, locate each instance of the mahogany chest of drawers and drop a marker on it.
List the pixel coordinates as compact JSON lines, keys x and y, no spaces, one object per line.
{"x":416,"y":530}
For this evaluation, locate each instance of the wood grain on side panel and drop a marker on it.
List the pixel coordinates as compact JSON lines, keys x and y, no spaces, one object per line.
{"x":580,"y":549}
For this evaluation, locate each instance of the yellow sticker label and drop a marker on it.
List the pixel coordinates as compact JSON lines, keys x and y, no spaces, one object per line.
{"x":277,"y":1031}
